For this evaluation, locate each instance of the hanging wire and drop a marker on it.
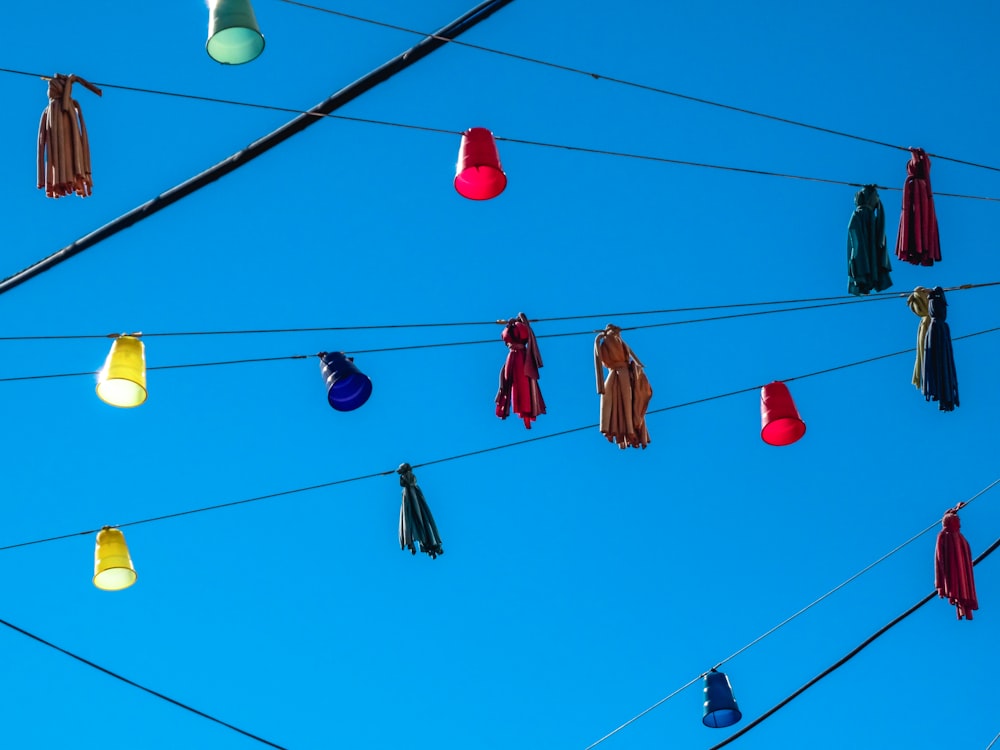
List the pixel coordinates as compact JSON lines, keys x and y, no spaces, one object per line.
{"x":993,"y":742}
{"x":734,"y":305}
{"x":413,"y":347}
{"x":639,"y":715}
{"x":134,"y":684}
{"x":527,"y":142}
{"x":846,"y":299}
{"x":642,"y":86}
{"x":319,"y":115}
{"x":854,"y":652}
{"x":722,"y":167}
{"x":889,"y":554}
{"x":162,"y":367}
{"x":828,"y":302}
{"x":657,"y":325}
{"x":787,"y":620}
{"x":478,"y":452}
{"x":219,"y":506}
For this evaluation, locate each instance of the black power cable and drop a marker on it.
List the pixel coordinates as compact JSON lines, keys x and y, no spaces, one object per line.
{"x":841,"y":662}
{"x":347,"y":94}
{"x":152,"y":692}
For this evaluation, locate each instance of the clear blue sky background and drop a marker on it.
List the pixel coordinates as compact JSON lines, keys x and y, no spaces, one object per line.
{"x":579,"y":584}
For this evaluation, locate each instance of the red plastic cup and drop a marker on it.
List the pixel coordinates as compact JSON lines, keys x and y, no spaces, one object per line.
{"x":780,"y":423}
{"x":478,"y":174}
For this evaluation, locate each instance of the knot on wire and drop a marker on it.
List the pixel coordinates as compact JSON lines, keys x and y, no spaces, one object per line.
{"x":406,"y":477}
{"x":61,"y":88}
{"x":919,"y":301}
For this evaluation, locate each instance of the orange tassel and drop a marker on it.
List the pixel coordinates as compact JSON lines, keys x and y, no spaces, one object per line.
{"x":63,"y":146}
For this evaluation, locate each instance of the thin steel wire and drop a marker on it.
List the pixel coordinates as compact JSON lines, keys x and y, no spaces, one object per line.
{"x":861,"y":572}
{"x":787,"y":620}
{"x":841,"y":662}
{"x":468,"y":454}
{"x":836,"y":301}
{"x":527,"y":142}
{"x":643,"y":86}
{"x":488,"y":341}
{"x":845,"y":299}
{"x":639,"y":715}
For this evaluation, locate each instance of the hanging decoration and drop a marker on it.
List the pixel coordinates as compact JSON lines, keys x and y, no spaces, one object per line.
{"x":780,"y":423}
{"x":113,"y":570}
{"x":939,"y":379}
{"x":626,"y":392}
{"x":122,"y":380}
{"x":478,"y":174}
{"x":919,"y":303}
{"x":720,"y":703}
{"x":63,"y":145}
{"x":868,"y":264}
{"x":234,"y":37}
{"x":347,"y":387}
{"x":519,"y":375}
{"x":416,"y":524}
{"x":953,"y":568}
{"x":918,"y":242}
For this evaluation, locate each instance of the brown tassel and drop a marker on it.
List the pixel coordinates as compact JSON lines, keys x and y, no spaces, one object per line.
{"x":626,"y":392}
{"x":63,"y":147}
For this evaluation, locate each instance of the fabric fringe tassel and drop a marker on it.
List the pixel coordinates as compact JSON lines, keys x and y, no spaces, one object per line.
{"x":953,"y":567}
{"x":63,"y":145}
{"x":519,"y":375}
{"x":918,"y":241}
{"x":416,"y":524}
{"x":919,"y":303}
{"x":868,"y":263}
{"x":625,"y":393}
{"x":939,"y":379}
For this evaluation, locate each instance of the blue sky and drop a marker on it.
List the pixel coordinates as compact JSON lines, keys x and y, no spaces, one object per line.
{"x":580,"y":584}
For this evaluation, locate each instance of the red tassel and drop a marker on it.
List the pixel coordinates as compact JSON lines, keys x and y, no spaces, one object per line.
{"x":519,"y":376}
{"x":953,"y":566}
{"x":918,"y":241}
